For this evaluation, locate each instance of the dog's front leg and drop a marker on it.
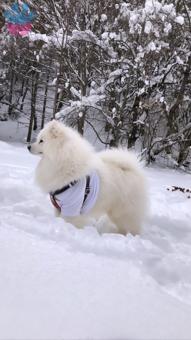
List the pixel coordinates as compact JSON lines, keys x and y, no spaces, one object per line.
{"x":80,"y":221}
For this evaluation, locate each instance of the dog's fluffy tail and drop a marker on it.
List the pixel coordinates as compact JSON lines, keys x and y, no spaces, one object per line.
{"x":121,"y":158}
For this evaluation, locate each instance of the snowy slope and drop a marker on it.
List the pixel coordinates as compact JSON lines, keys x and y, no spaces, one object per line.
{"x":58,"y":282}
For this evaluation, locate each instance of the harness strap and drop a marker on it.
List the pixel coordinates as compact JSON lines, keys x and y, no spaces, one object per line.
{"x":54,"y":202}
{"x":59,"y":191}
{"x":87,"y":190}
{"x":66,"y":187}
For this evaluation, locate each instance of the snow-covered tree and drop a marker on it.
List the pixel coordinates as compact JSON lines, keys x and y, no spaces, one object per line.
{"x":122,"y":67}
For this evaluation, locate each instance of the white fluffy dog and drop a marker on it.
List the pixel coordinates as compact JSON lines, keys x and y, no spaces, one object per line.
{"x":84,"y":183}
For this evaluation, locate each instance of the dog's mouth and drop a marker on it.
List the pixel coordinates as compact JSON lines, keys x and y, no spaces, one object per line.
{"x":34,"y":153}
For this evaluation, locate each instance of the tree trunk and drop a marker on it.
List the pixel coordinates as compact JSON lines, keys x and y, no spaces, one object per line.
{"x":24,"y":96}
{"x":33,"y":119}
{"x":45,"y":101}
{"x":12,"y":80}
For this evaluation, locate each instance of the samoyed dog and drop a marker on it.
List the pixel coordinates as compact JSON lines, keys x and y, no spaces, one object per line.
{"x":85,"y":184}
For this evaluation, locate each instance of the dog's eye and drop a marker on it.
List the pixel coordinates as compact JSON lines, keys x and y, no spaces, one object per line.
{"x":41,"y":141}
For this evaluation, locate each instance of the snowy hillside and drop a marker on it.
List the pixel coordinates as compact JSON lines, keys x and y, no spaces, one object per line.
{"x":58,"y":282}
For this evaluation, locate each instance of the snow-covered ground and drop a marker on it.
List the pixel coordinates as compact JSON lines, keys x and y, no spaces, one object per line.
{"x":58,"y":282}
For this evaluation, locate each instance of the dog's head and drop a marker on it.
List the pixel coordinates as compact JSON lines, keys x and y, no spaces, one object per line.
{"x":65,"y":156}
{"x":49,"y":140}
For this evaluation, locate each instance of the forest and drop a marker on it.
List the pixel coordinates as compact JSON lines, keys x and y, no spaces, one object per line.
{"x":122,"y":69}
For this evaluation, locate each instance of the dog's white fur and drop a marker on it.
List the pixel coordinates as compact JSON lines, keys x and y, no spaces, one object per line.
{"x":67,"y":156}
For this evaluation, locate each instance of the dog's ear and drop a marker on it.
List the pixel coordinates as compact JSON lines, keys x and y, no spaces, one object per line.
{"x":55,"y":129}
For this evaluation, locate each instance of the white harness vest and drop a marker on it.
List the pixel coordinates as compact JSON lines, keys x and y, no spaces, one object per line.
{"x":79,"y":197}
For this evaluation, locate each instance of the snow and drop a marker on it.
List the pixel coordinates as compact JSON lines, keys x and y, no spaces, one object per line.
{"x":168,"y":28}
{"x":92,"y":100}
{"x":13,"y":131}
{"x":151,"y":6}
{"x":57,"y":39}
{"x":148,"y":27}
{"x":103,"y":17}
{"x":151,"y":46}
{"x":180,"y":19}
{"x":59,"y":282}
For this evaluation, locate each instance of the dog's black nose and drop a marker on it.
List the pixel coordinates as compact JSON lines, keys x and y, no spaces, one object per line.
{"x":29,"y":147}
